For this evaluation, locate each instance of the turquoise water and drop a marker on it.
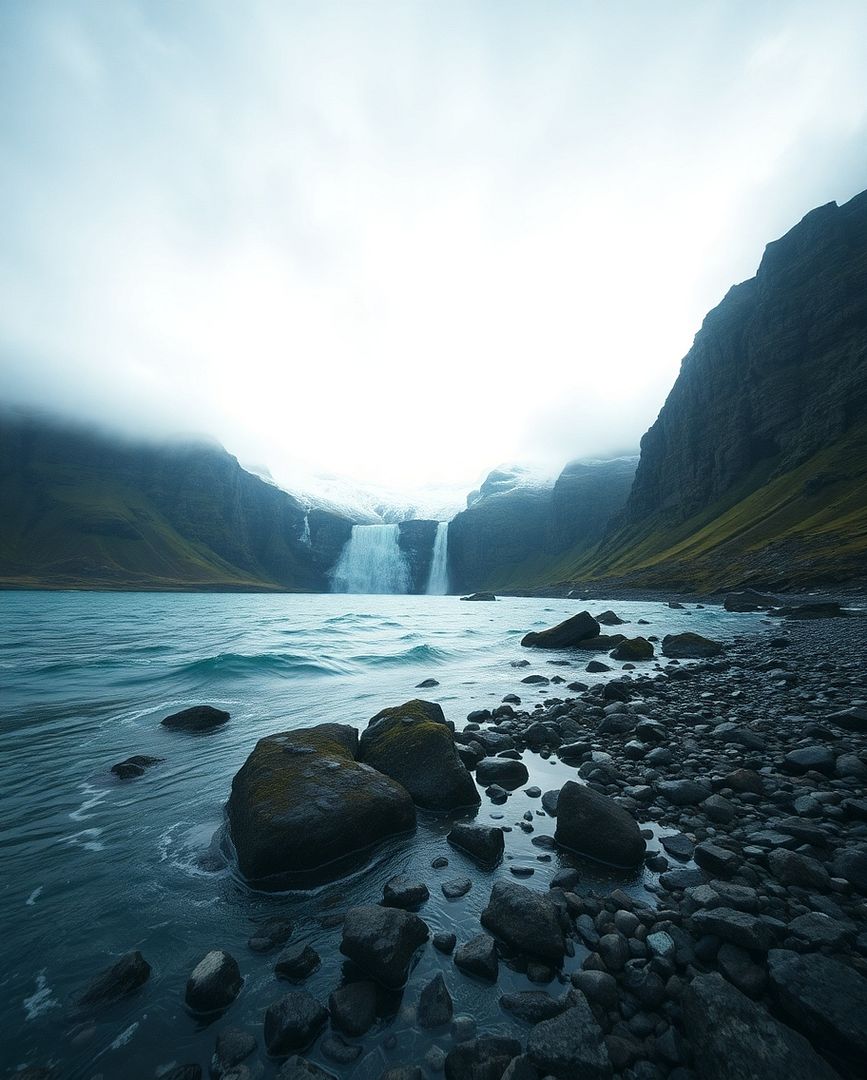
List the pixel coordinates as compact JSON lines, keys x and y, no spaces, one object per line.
{"x":93,"y":867}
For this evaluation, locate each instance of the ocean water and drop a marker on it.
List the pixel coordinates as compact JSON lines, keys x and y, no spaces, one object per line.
{"x":92,"y":867}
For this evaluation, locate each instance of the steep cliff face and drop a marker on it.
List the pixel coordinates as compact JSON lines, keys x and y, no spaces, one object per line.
{"x":514,"y":529}
{"x":82,"y":508}
{"x":416,"y":541}
{"x":755,"y":468}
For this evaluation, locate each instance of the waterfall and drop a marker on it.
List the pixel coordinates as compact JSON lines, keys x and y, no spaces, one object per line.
{"x":304,"y":538}
{"x":438,"y":581}
{"x":371,"y":562}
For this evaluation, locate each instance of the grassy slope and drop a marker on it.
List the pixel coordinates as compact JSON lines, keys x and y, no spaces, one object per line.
{"x":82,"y":529}
{"x":805,"y":526}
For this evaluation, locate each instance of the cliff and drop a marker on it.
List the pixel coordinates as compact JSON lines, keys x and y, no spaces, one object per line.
{"x":84,"y":509}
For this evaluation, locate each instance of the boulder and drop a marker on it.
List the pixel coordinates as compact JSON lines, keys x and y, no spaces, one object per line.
{"x":851,"y":864}
{"x":749,"y":600}
{"x":570,"y":1045}
{"x":480,"y":596}
{"x":609,"y":618}
{"x":564,"y":635}
{"x":293,"y":1022}
{"x":299,"y":1068}
{"x":637,"y":648}
{"x":118,"y":981}
{"x":297,"y":962}
{"x":506,"y":772}
{"x":737,"y":927}
{"x":485,"y":1058}
{"x":813,"y":611}
{"x":403,"y":892}
{"x":810,"y":759}
{"x":233,"y":1046}
{"x":683,"y":792}
{"x":198,"y":718}
{"x":413,"y":744}
{"x":134,"y":766}
{"x":594,"y":825}
{"x":852,"y":719}
{"x":734,"y":1039}
{"x":793,"y":868}
{"x":382,"y":941}
{"x":483,"y":843}
{"x":822,"y":998}
{"x":689,"y":647}
{"x":526,"y":920}
{"x":478,"y":956}
{"x":434,"y":1004}
{"x":353,"y":1007}
{"x":301,"y":801}
{"x":532,"y":1006}
{"x":214,"y":983}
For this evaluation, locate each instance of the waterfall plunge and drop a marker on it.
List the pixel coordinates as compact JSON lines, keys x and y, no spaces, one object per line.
{"x":438,"y":581}
{"x":371,"y":562}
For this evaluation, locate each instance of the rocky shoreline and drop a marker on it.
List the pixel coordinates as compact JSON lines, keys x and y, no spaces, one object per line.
{"x":739,"y":784}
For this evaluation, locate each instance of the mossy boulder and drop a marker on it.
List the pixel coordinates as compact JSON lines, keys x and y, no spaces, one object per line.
{"x":689,"y":647}
{"x":637,"y":648}
{"x":564,"y":635}
{"x":414,"y":745}
{"x":301,"y":801}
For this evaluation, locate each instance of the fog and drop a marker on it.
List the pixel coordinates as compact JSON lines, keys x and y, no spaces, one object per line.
{"x":400,"y":242}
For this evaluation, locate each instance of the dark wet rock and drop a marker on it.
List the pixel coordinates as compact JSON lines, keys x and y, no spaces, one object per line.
{"x":532,"y":1006}
{"x":822,"y":998}
{"x":434,"y":1004}
{"x":483,"y":843}
{"x":134,"y":766}
{"x":402,"y":1072}
{"x":564,"y":635}
{"x":480,"y":596}
{"x":637,"y":648}
{"x":338,"y":1050}
{"x":741,"y":970}
{"x":678,"y":845}
{"x":270,"y":934}
{"x":299,"y":1068}
{"x":538,"y":680}
{"x":190,"y":1071}
{"x":118,"y":981}
{"x":383,"y":941}
{"x":413,"y":744}
{"x":427,"y":684}
{"x":520,"y":1068}
{"x":233,"y":1046}
{"x":596,"y":667}
{"x":792,"y":868}
{"x":457,"y":887}
{"x":745,"y":780}
{"x":614,"y":950}
{"x":813,"y":611}
{"x":504,"y":772}
{"x":550,"y":800}
{"x":296,"y":963}
{"x":717,"y":860}
{"x":594,"y":825}
{"x":689,"y":646}
{"x":851,"y":864}
{"x":570,"y":1045}
{"x":683,"y":877}
{"x":478,"y":956}
{"x":683,"y":792}
{"x":852,"y":719}
{"x":810,"y":759}
{"x":599,"y":987}
{"x":817,"y":930}
{"x":566,"y":878}
{"x":444,"y":942}
{"x":302,"y":801}
{"x":293,"y":1022}
{"x":526,"y":920}
{"x":403,"y":892}
{"x":609,"y":618}
{"x":485,"y":1058}
{"x":353,"y":1007}
{"x":738,"y":927}
{"x":198,"y":718}
{"x":733,"y":1038}
{"x":214,"y":984}
{"x":749,"y":600}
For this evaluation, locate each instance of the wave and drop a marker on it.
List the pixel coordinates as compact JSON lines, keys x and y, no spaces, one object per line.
{"x":240,"y":665}
{"x":417,"y":654}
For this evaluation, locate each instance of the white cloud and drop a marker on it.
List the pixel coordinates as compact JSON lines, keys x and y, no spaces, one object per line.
{"x":400,"y":241}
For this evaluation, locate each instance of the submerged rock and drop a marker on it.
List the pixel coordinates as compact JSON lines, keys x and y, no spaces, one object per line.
{"x":413,"y":744}
{"x":296,"y":963}
{"x":116,"y":982}
{"x":480,"y":596}
{"x":435,"y":1004}
{"x":595,"y":825}
{"x":198,"y":718}
{"x":293,"y":1022}
{"x":302,"y":801}
{"x":382,"y":941}
{"x":689,"y":647}
{"x":478,"y":956}
{"x":353,"y":1007}
{"x":134,"y":766}
{"x":564,"y":635}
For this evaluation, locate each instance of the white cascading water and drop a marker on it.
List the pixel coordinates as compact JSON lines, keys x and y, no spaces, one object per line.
{"x":438,"y":581}
{"x":305,"y":532}
{"x":371,"y":562}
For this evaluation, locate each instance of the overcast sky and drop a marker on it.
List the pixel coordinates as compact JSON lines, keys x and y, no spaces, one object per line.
{"x":401,"y":242}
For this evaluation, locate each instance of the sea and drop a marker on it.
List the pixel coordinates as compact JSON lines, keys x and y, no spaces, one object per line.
{"x":92,"y":867}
